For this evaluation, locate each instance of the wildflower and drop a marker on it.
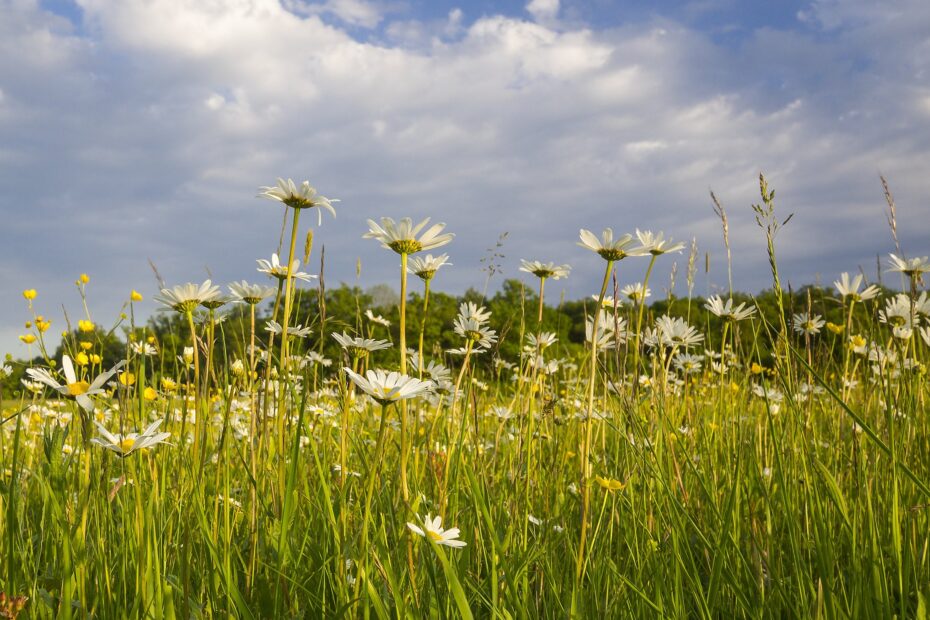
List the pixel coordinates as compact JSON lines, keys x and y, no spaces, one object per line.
{"x":275,"y":269}
{"x":124,"y":445}
{"x":806,"y":324}
{"x":472,"y":310}
{"x":85,"y":326}
{"x":836,"y":329}
{"x":636,"y":292}
{"x":847,"y":288}
{"x":149,"y":393}
{"x":84,"y":278}
{"x":81,"y":390}
{"x":237,"y":368}
{"x":426,"y":267}
{"x":380,"y":320}
{"x":545,"y":270}
{"x":300,"y":331}
{"x":81,"y":359}
{"x":184,"y":298}
{"x":725,"y":310}
{"x":360,"y":347}
{"x":473,"y":330}
{"x":912,"y":268}
{"x":432,"y":530}
{"x":303,"y":197}
{"x":544,"y":340}
{"x":127,"y":379}
{"x":28,"y":338}
{"x":401,"y":237}
{"x":135,"y":295}
{"x":656,"y":244}
{"x":388,"y":387}
{"x":606,"y":246}
{"x":42,"y":324}
{"x":609,"y":484}
{"x":858,"y":344}
{"x":168,"y":384}
{"x":29,"y":294}
{"x":676,"y":332}
{"x":687,"y":363}
{"x":143,"y":348}
{"x":251,"y":294}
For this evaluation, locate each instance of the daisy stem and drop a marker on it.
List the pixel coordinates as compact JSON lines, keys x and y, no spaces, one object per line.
{"x":373,"y":470}
{"x":285,"y":321}
{"x":423,"y":323}
{"x":586,"y":437}
{"x":639,"y":322}
{"x":198,"y":423}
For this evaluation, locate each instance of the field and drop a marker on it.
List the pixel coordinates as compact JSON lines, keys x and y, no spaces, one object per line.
{"x":280,"y":450}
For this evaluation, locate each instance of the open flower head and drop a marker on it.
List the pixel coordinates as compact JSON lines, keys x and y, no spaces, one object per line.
{"x":251,"y":294}
{"x":402,"y":236}
{"x":124,"y":445}
{"x":432,"y":529}
{"x":78,"y":388}
{"x":607,"y":247}
{"x":302,"y":197}
{"x":425,"y":267}
{"x":545,"y":270}
{"x":276,"y":269}
{"x":185,"y":298}
{"x":388,"y":387}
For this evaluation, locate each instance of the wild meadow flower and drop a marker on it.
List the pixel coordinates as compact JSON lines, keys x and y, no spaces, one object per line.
{"x":688,"y":363}
{"x":607,"y":247}
{"x":542,"y":341}
{"x":545,"y":270}
{"x":380,"y":320}
{"x":606,"y":334}
{"x":300,"y":331}
{"x":275,"y":269}
{"x":636,"y":292}
{"x":474,"y":331}
{"x":911,"y":267}
{"x":401,"y":236}
{"x":725,"y":310}
{"x":850,"y":288}
{"x":302,"y":197}
{"x":609,"y":484}
{"x":79,"y":389}
{"x":360,"y":347}
{"x":185,"y":297}
{"x":425,"y":267}
{"x":432,"y":530}
{"x":806,"y":324}
{"x":124,"y":445}
{"x":250,"y":294}
{"x":675,"y":332}
{"x":388,"y":387}
{"x":656,"y":243}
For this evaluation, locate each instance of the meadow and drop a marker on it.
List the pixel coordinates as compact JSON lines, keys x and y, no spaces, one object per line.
{"x":274,"y":448}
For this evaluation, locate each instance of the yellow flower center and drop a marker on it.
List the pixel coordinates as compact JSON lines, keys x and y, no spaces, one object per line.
{"x":126,"y":444}
{"x":77,"y":388}
{"x":433,"y":536}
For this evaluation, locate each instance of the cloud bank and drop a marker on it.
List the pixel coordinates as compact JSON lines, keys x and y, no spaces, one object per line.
{"x":142,"y":129}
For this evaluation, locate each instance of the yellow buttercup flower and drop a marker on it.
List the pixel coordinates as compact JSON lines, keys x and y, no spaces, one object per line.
{"x":756,"y":369}
{"x":610,"y":484}
{"x":86,"y":345}
{"x":135,"y":295}
{"x":127,"y":378}
{"x":149,"y":393}
{"x":30,"y":294}
{"x":28,"y":338}
{"x":81,"y":359}
{"x":84,"y":278}
{"x":85,"y":326}
{"x":42,"y":325}
{"x":836,"y":329}
{"x":96,"y":359}
{"x":168,"y":385}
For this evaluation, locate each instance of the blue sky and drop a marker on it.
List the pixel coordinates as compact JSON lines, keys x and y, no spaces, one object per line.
{"x":141,"y":129}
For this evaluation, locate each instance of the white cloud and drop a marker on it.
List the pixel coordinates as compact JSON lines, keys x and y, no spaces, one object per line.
{"x":543,"y":10}
{"x":147,"y":135}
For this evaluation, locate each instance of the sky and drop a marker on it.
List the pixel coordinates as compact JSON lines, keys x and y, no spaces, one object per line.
{"x":139,"y":131}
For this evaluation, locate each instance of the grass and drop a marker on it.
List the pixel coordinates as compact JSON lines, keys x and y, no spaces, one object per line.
{"x":769,"y":491}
